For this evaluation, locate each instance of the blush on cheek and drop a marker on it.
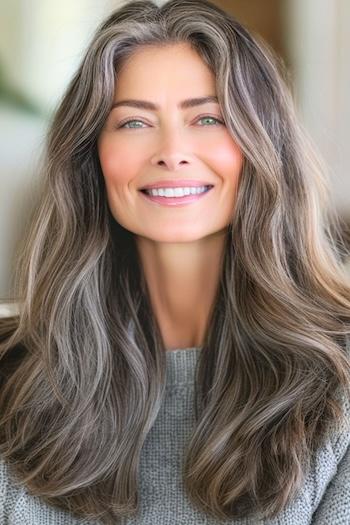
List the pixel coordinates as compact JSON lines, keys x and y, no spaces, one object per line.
{"x":108,"y":160}
{"x":227,"y":157}
{"x":116,"y":171}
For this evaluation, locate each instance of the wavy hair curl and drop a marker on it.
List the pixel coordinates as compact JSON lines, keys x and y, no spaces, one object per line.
{"x":273,"y":370}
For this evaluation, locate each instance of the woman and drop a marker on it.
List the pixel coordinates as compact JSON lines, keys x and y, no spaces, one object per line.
{"x":180,"y":355}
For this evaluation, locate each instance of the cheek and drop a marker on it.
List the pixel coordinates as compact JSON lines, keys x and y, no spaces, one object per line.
{"x":226,"y":157}
{"x":117,"y":165}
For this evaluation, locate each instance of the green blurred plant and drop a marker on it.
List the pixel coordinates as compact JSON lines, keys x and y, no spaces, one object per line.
{"x":15,"y":98}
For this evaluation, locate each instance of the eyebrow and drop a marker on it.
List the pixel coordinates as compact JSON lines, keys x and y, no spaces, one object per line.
{"x":184,"y":104}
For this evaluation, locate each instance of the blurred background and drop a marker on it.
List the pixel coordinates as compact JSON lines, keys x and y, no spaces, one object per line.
{"x":43,"y":41}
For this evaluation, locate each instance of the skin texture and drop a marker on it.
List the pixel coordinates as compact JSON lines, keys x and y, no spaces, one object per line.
{"x":181,"y":248}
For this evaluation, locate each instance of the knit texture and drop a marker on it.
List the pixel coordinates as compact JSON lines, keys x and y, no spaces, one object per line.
{"x":324,"y":499}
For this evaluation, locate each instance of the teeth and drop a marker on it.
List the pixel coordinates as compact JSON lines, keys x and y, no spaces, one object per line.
{"x":176,"y":192}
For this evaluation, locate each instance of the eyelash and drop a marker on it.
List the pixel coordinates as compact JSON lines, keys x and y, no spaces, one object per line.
{"x":122,"y":124}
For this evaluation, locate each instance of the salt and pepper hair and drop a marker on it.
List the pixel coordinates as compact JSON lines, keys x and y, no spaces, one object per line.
{"x":81,"y":389}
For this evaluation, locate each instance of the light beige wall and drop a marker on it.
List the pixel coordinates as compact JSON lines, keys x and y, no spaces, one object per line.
{"x":41,"y":43}
{"x":319,"y":45}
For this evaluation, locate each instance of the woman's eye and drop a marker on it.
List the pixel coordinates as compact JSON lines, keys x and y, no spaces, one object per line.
{"x":210,"y":118}
{"x":123,"y":125}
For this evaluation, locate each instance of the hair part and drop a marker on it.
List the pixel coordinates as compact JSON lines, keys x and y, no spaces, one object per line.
{"x":274,"y":357}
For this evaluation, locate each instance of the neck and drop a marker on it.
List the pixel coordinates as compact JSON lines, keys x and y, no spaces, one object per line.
{"x":182,"y":281}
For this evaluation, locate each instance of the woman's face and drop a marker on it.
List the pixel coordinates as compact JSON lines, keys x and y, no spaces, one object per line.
{"x":169,"y":143}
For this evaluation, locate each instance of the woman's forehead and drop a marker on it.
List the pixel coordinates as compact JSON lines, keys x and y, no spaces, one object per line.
{"x":146,"y":73}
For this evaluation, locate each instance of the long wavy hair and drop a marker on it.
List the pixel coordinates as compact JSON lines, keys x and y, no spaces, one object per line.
{"x":83,"y":364}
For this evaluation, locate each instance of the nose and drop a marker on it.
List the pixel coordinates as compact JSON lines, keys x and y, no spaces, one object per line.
{"x":170,"y":153}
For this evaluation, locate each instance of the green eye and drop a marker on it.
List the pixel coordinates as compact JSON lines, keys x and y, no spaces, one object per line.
{"x":128,"y":122}
{"x":208,"y":117}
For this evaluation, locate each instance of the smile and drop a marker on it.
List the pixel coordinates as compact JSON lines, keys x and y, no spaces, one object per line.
{"x":175,"y":196}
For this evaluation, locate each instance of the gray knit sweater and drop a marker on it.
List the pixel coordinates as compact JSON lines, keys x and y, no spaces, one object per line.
{"x":324,"y":500}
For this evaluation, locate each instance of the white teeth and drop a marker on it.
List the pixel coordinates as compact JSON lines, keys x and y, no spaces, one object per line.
{"x":176,"y":192}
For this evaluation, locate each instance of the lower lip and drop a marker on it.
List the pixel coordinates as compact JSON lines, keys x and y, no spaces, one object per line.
{"x":175,"y":201}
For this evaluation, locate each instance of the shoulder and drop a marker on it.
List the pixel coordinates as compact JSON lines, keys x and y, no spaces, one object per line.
{"x":10,"y":491}
{"x":18,"y":506}
{"x":331,"y":462}
{"x":340,"y":439}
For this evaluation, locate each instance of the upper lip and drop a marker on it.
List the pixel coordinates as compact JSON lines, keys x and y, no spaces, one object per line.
{"x":176,"y":183}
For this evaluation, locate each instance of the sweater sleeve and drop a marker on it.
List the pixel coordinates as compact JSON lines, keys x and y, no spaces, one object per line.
{"x":335,"y":503}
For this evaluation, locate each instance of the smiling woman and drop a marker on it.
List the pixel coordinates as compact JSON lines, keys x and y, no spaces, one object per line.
{"x":180,"y":351}
{"x":181,"y":146}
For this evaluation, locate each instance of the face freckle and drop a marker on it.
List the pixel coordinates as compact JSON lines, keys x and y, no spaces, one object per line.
{"x":168,"y":143}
